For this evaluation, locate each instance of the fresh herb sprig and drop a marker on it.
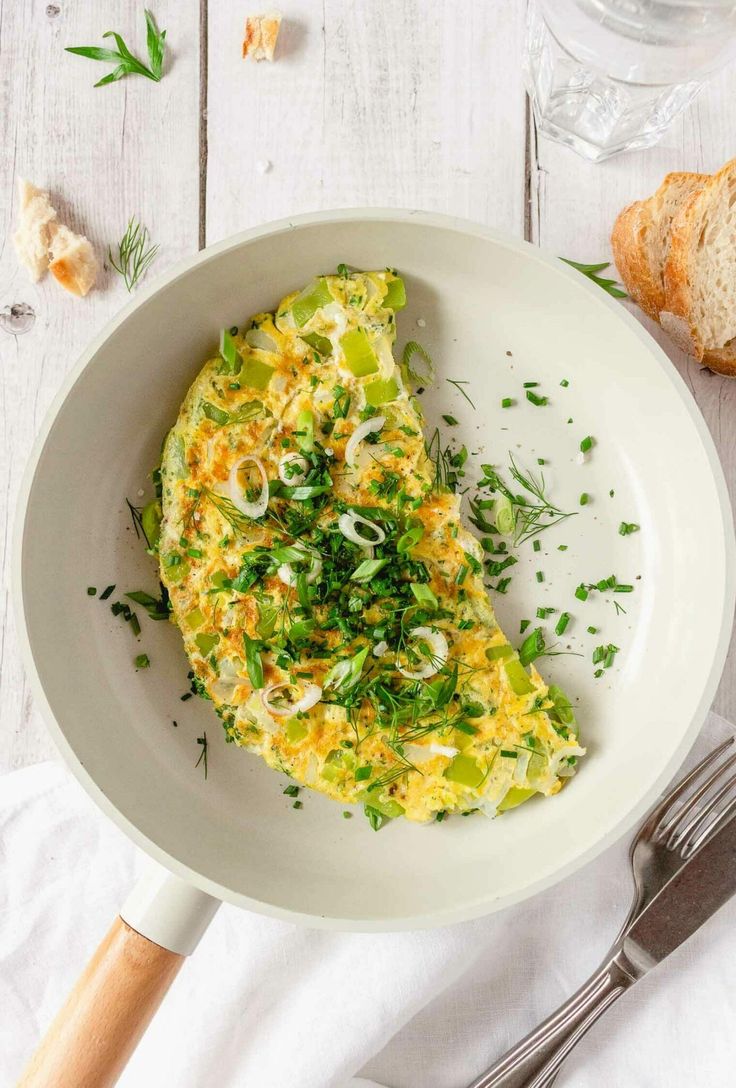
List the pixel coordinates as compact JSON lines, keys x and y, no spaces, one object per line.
{"x":134,"y":254}
{"x":532,"y":515}
{"x":127,"y":63}
{"x":591,"y":271}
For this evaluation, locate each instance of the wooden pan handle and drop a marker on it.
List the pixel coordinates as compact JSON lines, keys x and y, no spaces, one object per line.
{"x":107,"y":1012}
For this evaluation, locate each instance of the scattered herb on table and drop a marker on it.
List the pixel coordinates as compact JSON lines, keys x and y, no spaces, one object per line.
{"x":591,"y":271}
{"x":142,"y":661}
{"x":203,"y":754}
{"x":127,"y":63}
{"x":626,"y":528}
{"x":458,"y":385}
{"x":134,"y":254}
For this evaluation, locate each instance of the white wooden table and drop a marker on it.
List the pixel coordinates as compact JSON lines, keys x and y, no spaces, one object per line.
{"x":370,"y":102}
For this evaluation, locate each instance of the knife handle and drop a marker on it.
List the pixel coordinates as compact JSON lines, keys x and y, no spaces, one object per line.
{"x":534,"y":1062}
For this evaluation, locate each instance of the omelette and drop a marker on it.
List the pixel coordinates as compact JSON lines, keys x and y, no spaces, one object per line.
{"x":331,"y":600}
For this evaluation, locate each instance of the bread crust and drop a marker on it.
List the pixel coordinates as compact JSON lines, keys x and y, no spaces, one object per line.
{"x":679,"y":268}
{"x":261,"y":33}
{"x":633,"y":238}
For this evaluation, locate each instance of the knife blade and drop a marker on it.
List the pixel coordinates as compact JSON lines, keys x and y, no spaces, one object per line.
{"x":702,"y":887}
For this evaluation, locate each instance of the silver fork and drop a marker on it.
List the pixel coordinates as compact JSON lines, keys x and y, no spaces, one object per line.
{"x":683,"y":821}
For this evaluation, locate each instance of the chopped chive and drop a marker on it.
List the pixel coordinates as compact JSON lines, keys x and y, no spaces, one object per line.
{"x":570,"y":420}
{"x":611,"y":493}
{"x":562,"y":547}
{"x":523,"y":626}
{"x":531,"y":385}
{"x":597,"y":673}
{"x":347,"y":815}
{"x":106,"y":592}
{"x":297,"y":804}
{"x":142,"y":661}
{"x":541,"y":461}
{"x":507,"y":402}
{"x":361,"y":773}
{"x":584,"y":498}
{"x":623,"y":588}
{"x":543,"y":613}
{"x":592,"y":630}
{"x":562,"y":623}
{"x":625,"y":529}
{"x":540,"y":576}
{"x":564,"y":383}
{"x":537,"y":545}
{"x":586,"y":444}
{"x":450,"y":421}
{"x":581,"y":593}
{"x":135,"y":624}
{"x":196,"y":553}
{"x":91,"y":591}
{"x":535,"y":399}
{"x":291,"y":791}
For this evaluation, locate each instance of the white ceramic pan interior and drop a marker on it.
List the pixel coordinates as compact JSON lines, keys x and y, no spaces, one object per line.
{"x":493,"y":312}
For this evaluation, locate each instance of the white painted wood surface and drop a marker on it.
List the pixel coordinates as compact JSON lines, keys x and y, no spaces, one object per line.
{"x":403,"y":104}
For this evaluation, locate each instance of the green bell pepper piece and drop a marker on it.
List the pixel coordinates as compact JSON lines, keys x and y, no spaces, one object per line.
{"x":465,"y":771}
{"x":206,"y":643}
{"x":231,"y":358}
{"x":319,"y":343}
{"x":381,"y":392}
{"x":296,"y":730}
{"x":515,"y":796}
{"x":305,"y":428}
{"x":359,"y":354}
{"x":195,"y":618}
{"x":256,"y":373}
{"x":312,"y":298}
{"x":518,"y":677}
{"x":395,"y":297}
{"x":151,"y":516}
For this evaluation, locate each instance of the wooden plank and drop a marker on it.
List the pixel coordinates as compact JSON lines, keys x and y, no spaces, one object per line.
{"x":106,"y":153}
{"x":572,"y":207}
{"x":412,"y":104}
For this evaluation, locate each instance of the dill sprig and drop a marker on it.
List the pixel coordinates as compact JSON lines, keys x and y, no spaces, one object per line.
{"x":134,"y":253}
{"x":591,"y":271}
{"x":531,"y":516}
{"x":459,"y":386}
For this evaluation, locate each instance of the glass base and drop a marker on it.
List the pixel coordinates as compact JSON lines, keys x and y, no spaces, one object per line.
{"x":592,"y":113}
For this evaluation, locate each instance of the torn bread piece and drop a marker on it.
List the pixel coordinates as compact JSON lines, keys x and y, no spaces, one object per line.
{"x":700,"y":273}
{"x":641,"y":237}
{"x":37,"y":222}
{"x":261,"y":32}
{"x":73,"y":261}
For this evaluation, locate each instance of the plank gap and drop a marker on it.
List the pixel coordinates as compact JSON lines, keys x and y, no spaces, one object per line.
{"x":203,"y":145}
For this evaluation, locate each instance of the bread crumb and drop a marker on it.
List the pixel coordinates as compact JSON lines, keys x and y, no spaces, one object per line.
{"x":263,"y":166}
{"x":261,"y":32}
{"x":421,"y":322}
{"x":73,"y":263}
{"x":36,"y":223}
{"x":42,"y":243}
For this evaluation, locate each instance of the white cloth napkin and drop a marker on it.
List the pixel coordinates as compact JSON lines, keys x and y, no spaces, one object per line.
{"x":263,"y":1004}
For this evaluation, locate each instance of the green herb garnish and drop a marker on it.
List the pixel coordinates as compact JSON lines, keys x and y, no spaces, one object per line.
{"x":127,"y":63}
{"x":203,"y":754}
{"x":134,"y":253}
{"x":592,"y":270}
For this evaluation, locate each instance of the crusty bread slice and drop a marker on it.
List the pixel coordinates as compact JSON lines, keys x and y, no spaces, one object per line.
{"x":700,"y":272}
{"x":73,"y":261}
{"x":36,"y":223}
{"x":641,"y":235}
{"x":261,"y":32}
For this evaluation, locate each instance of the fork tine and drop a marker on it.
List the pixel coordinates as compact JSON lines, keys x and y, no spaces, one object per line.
{"x":669,"y":833}
{"x":723,"y":816}
{"x":699,"y":819}
{"x":663,"y":808}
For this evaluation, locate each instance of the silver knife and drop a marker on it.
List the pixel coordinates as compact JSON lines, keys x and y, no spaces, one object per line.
{"x":701,"y":888}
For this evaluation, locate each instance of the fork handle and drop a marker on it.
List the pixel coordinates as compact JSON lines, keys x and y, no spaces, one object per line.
{"x":535,"y":1061}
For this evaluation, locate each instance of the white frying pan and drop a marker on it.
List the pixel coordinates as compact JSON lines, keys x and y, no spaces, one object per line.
{"x":474,"y":296}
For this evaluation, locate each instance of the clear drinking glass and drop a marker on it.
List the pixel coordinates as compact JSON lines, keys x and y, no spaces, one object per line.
{"x":606,"y":76}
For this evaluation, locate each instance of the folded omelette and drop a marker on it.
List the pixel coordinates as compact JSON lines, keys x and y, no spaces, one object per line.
{"x":330,"y":598}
